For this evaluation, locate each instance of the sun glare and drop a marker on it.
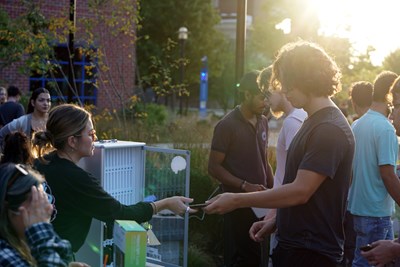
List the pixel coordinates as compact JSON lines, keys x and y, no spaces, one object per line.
{"x":365,"y":23}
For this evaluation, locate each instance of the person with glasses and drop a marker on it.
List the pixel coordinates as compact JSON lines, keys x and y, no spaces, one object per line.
{"x":293,"y":118}
{"x":35,"y":120}
{"x":308,"y":209}
{"x":26,"y":236}
{"x":70,"y":136}
{"x":238,"y":160}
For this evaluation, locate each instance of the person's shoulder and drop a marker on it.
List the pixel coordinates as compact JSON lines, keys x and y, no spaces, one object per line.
{"x":8,"y":255}
{"x":298,"y":114}
{"x":373,"y":119}
{"x":229,"y":119}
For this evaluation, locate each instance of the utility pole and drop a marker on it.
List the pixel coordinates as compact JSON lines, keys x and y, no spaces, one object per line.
{"x":241,"y":13}
{"x":71,"y":50}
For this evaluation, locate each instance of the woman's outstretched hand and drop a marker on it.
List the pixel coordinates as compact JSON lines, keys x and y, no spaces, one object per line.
{"x":176,"y":204}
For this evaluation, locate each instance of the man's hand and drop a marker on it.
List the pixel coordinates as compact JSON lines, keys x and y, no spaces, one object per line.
{"x":221,"y":204}
{"x":382,"y":252}
{"x":259,"y":230}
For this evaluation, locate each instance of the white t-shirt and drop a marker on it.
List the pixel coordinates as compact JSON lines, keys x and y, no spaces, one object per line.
{"x":291,"y":124}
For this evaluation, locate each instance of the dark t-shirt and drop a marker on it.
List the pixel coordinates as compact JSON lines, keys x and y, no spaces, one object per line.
{"x":80,"y":197}
{"x":244,"y":147}
{"x":325,"y":145}
{"x":9,"y":111}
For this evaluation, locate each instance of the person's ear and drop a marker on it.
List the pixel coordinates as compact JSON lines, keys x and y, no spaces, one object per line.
{"x":247,"y":95}
{"x":72,"y":142}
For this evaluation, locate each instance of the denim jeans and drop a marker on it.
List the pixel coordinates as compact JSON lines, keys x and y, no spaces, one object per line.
{"x":368,"y":230}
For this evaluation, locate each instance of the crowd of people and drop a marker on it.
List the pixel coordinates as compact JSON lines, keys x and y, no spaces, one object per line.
{"x":335,"y":184}
{"x":329,"y":202}
{"x":47,"y":203}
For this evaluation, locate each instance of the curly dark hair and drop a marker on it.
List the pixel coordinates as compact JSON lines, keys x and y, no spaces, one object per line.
{"x":361,"y":93}
{"x":382,"y":85}
{"x":305,"y":66}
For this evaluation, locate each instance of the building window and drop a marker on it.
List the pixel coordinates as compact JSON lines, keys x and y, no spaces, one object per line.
{"x":56,"y":80}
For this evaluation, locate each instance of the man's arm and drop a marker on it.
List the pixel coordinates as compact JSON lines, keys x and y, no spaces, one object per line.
{"x":216,"y":170}
{"x":391,"y":181}
{"x":296,"y":193}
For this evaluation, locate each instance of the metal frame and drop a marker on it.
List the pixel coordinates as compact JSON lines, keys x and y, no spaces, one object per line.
{"x":186,"y":154}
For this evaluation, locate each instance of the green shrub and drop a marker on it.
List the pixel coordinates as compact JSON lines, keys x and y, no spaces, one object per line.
{"x":198,"y":258}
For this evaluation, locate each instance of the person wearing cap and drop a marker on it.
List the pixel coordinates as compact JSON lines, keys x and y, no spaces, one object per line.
{"x":11,"y":109}
{"x":238,"y":160}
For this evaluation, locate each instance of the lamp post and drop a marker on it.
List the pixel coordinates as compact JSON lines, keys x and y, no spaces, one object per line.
{"x":182,"y":36}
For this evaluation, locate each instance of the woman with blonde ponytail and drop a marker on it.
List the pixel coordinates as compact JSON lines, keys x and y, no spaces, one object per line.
{"x":70,"y":136}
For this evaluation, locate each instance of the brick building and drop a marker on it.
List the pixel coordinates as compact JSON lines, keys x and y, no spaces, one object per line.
{"x":114,"y":78}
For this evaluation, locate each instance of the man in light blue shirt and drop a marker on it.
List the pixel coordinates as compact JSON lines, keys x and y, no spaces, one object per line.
{"x":375,"y":183}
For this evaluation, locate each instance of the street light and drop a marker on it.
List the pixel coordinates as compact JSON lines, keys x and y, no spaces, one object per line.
{"x":182,"y":36}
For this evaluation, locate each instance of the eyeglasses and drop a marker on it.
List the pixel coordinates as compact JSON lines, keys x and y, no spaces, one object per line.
{"x":397,"y":105}
{"x":51,"y":199}
{"x":92,"y":134}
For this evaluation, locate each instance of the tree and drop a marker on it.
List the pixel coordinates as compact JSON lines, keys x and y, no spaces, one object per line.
{"x":392,"y":62}
{"x":28,"y":40}
{"x":160,"y":21}
{"x":264,"y":38}
{"x":25,"y":39}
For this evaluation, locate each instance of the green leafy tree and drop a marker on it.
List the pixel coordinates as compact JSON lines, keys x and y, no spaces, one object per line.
{"x":25,"y":39}
{"x":264,"y":38}
{"x":392,"y":62}
{"x":160,"y":21}
{"x":29,"y":38}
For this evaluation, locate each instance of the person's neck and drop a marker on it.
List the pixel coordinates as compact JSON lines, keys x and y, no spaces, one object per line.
{"x":71,"y":156}
{"x":361,"y":111}
{"x":39,"y":115}
{"x":380,"y":107}
{"x":247,"y":113}
{"x":12,"y":99}
{"x":287,"y":108}
{"x":317,"y":103}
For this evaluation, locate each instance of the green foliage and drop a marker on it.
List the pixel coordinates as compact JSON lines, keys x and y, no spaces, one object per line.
{"x":25,"y":39}
{"x":265,"y":39}
{"x":392,"y":62}
{"x":158,"y":66}
{"x":198,"y":258}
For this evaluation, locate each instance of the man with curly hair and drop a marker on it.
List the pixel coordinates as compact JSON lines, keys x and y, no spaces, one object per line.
{"x":311,"y":203}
